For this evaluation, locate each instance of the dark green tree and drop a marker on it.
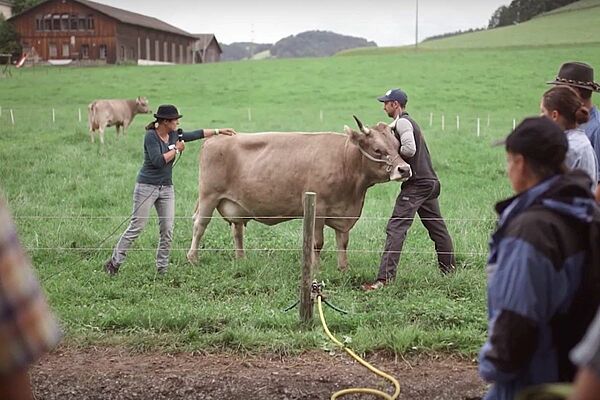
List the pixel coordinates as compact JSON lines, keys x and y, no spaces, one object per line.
{"x":9,"y":39}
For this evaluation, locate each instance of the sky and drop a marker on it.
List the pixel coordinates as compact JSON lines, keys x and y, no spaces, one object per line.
{"x":386,"y":22}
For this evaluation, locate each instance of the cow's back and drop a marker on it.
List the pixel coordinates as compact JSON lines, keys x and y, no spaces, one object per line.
{"x":268,"y":173}
{"x":111,"y":111}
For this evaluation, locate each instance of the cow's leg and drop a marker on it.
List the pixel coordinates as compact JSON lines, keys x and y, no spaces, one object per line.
{"x":237,"y":230}
{"x":101,"y":132}
{"x":318,"y":244}
{"x":125,"y":125}
{"x":118,"y":130}
{"x":202,"y":218}
{"x":341,"y":240}
{"x":92,"y":133}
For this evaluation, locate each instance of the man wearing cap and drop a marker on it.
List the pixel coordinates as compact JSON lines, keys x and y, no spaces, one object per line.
{"x":580,"y":76}
{"x":543,"y":267}
{"x":419,"y":194}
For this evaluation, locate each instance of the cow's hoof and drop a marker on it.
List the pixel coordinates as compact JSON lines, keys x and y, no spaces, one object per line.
{"x":192,"y":258}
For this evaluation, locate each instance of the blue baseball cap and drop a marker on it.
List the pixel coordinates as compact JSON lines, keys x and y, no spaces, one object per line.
{"x":394,"y":95}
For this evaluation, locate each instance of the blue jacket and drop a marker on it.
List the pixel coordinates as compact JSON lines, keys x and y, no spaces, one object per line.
{"x":538,"y":257}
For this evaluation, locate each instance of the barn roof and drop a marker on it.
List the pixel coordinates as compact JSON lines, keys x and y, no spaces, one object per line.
{"x":127,"y":17}
{"x":205,"y":38}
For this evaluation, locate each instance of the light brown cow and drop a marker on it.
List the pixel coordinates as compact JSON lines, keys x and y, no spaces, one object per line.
{"x":120,"y":113}
{"x":264,"y":176}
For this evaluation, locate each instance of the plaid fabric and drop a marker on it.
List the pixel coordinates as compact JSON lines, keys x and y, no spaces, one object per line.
{"x":27,"y":328}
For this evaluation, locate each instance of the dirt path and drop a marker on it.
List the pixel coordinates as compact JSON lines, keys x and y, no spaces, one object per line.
{"x":112,"y":373}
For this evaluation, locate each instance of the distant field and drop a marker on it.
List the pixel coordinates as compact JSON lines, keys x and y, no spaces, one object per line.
{"x":575,"y":24}
{"x":68,"y":195}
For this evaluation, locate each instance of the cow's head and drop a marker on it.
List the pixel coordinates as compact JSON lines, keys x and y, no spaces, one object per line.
{"x":380,"y":148}
{"x":142,"y":105}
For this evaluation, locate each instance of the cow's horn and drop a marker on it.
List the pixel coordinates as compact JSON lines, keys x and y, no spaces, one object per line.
{"x":363,"y":128}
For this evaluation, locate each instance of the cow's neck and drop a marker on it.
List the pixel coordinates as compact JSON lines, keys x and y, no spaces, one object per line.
{"x":354,"y":170}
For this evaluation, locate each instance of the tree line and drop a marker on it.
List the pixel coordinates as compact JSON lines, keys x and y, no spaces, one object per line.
{"x":523,"y":10}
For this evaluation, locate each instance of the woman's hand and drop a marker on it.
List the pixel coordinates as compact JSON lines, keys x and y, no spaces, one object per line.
{"x":224,"y":131}
{"x":180,"y":145}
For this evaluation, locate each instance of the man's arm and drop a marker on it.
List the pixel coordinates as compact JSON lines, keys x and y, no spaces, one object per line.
{"x":406,"y":135}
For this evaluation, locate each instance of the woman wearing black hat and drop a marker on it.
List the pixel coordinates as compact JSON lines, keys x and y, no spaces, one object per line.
{"x":154,"y":186}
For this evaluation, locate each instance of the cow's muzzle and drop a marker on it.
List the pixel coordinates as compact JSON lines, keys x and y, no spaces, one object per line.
{"x":400,"y":172}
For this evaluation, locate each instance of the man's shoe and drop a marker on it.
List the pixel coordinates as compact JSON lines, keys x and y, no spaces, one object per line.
{"x":111,"y":268}
{"x":368,"y":287}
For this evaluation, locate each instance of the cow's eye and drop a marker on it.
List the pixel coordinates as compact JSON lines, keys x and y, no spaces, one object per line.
{"x":377,"y":151}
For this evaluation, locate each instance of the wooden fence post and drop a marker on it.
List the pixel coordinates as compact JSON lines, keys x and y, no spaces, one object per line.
{"x":306,"y":304}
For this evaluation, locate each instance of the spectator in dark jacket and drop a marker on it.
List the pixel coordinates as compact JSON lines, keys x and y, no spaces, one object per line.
{"x":541,"y":284}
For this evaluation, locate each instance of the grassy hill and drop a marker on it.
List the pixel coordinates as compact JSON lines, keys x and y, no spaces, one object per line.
{"x":558,"y":27}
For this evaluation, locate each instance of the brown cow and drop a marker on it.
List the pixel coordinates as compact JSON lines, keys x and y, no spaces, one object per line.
{"x":120,"y":113}
{"x":263,"y":177}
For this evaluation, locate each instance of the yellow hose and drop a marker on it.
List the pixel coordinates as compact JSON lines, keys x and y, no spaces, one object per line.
{"x":361,"y":361}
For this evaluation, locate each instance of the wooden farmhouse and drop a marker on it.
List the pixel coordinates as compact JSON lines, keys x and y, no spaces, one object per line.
{"x":58,"y":31}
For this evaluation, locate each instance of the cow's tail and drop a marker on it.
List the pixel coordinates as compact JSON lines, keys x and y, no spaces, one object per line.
{"x":91,"y":115}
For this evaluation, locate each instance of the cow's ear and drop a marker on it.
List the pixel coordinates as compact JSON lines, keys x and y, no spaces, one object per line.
{"x":355,"y":137}
{"x":139,"y":100}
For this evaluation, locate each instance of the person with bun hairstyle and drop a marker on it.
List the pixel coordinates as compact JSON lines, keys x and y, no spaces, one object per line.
{"x":563,"y":105}
{"x":154,"y":186}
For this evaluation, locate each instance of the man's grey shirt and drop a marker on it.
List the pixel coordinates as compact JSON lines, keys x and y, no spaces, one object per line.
{"x":404,"y":129}
{"x":592,"y":130}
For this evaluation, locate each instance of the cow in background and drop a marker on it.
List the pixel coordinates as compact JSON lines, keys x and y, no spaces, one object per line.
{"x":118,"y":113}
{"x":264,"y":177}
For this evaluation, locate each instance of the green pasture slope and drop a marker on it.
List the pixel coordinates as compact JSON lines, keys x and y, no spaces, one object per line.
{"x":576,"y":23}
{"x":67,"y":195}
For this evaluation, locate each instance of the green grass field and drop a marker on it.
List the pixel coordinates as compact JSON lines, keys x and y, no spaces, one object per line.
{"x":67,"y":195}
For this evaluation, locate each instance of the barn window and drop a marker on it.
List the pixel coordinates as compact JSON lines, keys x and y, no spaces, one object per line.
{"x":122,"y":52}
{"x":156,"y":51}
{"x":64,"y":25}
{"x":90,"y":22}
{"x":52,"y":51}
{"x":73,"y":22}
{"x":56,"y":22}
{"x":165,"y":52}
{"x":39,"y":25}
{"x":103,"y":51}
{"x":82,"y":23}
{"x":65,"y":50}
{"x":47,"y":22}
{"x":85,"y":51}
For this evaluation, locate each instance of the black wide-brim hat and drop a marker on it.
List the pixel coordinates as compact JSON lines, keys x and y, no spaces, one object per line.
{"x":167,"y":111}
{"x":576,"y":74}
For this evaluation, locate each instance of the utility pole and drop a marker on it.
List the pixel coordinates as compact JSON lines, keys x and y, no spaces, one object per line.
{"x":417,"y":26}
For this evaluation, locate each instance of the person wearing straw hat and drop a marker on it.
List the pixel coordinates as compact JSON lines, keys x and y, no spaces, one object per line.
{"x":543,"y":267}
{"x":580,"y":76}
{"x":154,"y":186}
{"x":419,"y":194}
